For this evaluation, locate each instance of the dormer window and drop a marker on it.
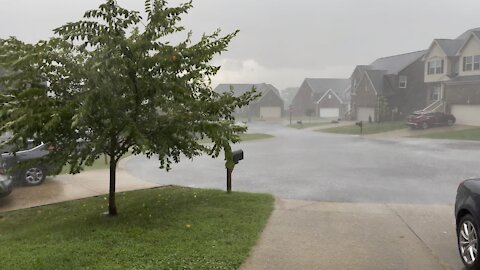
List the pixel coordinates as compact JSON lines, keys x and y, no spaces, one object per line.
{"x":402,"y":81}
{"x":435,"y":67}
{"x":471,"y":63}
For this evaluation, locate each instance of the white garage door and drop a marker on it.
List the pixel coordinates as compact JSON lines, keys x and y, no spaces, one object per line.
{"x":329,"y":112}
{"x":363,"y":113}
{"x":270,"y":112}
{"x":467,"y":114}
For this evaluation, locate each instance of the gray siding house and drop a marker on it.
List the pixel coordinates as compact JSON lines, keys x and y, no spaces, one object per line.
{"x":269,"y":106}
{"x":389,"y":88}
{"x":328,"y":98}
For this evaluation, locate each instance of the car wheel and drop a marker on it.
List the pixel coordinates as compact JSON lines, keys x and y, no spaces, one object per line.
{"x":450,"y":122}
{"x":467,"y":234}
{"x":34,"y":176}
{"x":5,"y":194}
{"x":424,"y":125}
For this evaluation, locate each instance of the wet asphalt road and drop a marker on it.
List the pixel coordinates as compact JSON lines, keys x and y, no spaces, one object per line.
{"x":307,"y":165}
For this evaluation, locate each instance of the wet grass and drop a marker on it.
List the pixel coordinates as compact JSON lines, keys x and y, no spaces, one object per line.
{"x":246,"y":137}
{"x":163,"y":228}
{"x":472,"y":134}
{"x":254,"y":136}
{"x":368,"y":128}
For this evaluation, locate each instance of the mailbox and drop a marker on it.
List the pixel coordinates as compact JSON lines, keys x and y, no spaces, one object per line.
{"x":237,"y":156}
{"x":360,"y":124}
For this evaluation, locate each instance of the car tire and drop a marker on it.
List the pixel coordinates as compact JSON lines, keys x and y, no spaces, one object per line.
{"x":5,"y":194}
{"x":34,"y":175}
{"x":467,"y":241}
{"x":424,"y":125}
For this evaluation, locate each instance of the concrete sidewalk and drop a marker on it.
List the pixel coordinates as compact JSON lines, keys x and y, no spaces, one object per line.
{"x":70,"y":187}
{"x":322,"y":235}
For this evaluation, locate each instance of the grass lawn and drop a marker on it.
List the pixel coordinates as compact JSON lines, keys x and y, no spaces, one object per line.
{"x":163,"y":228}
{"x":254,"y":136}
{"x":246,"y":137}
{"x":368,"y":128}
{"x":472,"y":134}
{"x":308,"y":125}
{"x":97,"y":165}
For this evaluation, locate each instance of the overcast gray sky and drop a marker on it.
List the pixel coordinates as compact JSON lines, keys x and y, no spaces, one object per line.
{"x":282,"y":42}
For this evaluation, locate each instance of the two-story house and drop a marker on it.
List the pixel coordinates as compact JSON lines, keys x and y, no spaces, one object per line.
{"x":327,"y":98}
{"x":452,"y":74}
{"x":268,"y":106}
{"x":389,"y":88}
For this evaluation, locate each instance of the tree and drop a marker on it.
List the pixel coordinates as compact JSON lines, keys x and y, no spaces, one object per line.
{"x":111,"y":83}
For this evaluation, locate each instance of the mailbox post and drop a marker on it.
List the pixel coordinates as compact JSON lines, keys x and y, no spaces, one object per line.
{"x":237,"y":156}
{"x":360,"y":124}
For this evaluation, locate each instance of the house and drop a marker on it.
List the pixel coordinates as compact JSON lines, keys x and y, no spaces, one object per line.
{"x":268,"y":106}
{"x":452,"y":75}
{"x":322,"y":97}
{"x":389,"y":88}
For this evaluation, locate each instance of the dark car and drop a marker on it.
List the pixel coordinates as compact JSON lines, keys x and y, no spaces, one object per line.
{"x":6,"y":185}
{"x":430,"y":119}
{"x":467,"y":214}
{"x":34,"y":169}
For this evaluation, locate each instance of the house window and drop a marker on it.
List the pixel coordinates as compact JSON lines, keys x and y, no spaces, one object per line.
{"x":402,"y":81}
{"x":471,"y":63}
{"x":435,"y":67}
{"x":329,"y":96}
{"x":436,"y":91}
{"x":354,"y":83}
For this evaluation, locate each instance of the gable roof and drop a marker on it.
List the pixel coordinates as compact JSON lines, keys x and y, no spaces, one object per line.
{"x":330,"y":91}
{"x":467,"y":33}
{"x":376,"y":78}
{"x":449,"y":46}
{"x":396,"y":63}
{"x":242,"y":88}
{"x":465,"y":42}
{"x":321,"y":85}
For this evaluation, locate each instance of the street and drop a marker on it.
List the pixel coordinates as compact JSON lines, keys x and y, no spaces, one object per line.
{"x":307,"y":165}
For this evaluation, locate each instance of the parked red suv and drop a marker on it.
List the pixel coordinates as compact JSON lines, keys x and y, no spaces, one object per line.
{"x":430,"y":119}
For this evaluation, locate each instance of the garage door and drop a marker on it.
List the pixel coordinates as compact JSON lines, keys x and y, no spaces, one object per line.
{"x":329,"y":112}
{"x":467,"y":114}
{"x":270,"y":112}
{"x":363,"y":113}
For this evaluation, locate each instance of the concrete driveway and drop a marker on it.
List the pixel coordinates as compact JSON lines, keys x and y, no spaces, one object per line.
{"x":70,"y":187}
{"x":344,"y":202}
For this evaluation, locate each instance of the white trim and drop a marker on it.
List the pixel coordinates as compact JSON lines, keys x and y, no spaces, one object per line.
{"x":324,"y":95}
{"x":371,"y":83}
{"x":459,"y":52}
{"x":400,"y":81}
{"x":265,"y":93}
{"x":434,"y":42}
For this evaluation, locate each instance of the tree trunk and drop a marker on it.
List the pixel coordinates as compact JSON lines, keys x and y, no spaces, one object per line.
{"x":112,"y":207}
